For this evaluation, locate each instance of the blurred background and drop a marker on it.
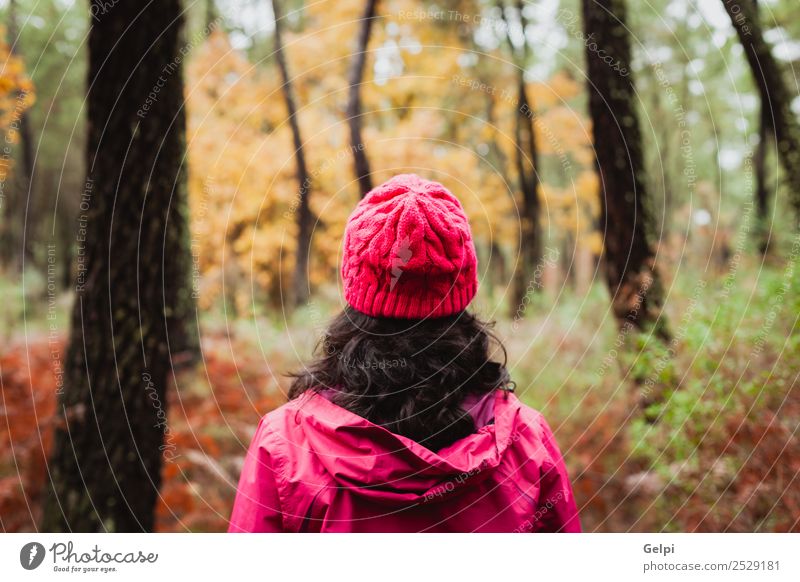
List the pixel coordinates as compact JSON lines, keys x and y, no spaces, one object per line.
{"x":685,"y":420}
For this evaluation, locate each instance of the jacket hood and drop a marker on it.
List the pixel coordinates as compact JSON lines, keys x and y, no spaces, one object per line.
{"x":383,"y":466}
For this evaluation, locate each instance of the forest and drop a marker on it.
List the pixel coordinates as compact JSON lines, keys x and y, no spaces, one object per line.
{"x":176,"y":177}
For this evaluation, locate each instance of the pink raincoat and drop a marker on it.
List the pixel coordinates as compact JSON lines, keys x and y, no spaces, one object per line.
{"x":314,"y":466}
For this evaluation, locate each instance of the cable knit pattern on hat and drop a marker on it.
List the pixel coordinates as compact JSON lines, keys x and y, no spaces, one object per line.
{"x":408,"y":252}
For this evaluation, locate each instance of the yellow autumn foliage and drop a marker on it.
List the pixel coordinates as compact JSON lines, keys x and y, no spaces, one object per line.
{"x":17,"y":95}
{"x":418,"y":118}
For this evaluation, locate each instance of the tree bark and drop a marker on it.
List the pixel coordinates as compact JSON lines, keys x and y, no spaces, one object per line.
{"x":133,"y":294}
{"x":773,"y":89}
{"x":300,"y":285}
{"x":355,"y":77}
{"x":629,"y":263}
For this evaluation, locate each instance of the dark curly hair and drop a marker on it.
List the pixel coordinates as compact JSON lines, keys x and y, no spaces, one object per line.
{"x":409,"y":376}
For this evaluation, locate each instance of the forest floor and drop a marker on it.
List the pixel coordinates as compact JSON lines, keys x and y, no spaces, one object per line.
{"x":721,"y":455}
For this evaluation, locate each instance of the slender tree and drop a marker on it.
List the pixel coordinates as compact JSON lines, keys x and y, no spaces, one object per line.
{"x":355,"y":76}
{"x":629,"y":260}
{"x":300,"y":288}
{"x":526,"y":161}
{"x":773,"y":89}
{"x":133,"y":295}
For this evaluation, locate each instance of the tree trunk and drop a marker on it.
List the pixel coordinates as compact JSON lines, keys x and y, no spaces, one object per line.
{"x":763,"y":230}
{"x":300,"y":286}
{"x":354,"y":78}
{"x":16,"y":238}
{"x":527,"y":162}
{"x":629,"y":257}
{"x":527,"y":166}
{"x":774,"y":91}
{"x":133,"y":297}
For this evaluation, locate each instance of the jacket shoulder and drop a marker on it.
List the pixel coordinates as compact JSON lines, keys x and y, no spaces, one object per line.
{"x":534,"y":437}
{"x":281,"y":423}
{"x":533,"y":420}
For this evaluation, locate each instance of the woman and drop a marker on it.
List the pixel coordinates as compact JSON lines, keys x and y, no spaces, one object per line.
{"x":404,"y":422}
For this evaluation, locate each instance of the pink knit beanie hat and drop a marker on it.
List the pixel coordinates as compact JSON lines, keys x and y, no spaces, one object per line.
{"x":408,"y":252}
